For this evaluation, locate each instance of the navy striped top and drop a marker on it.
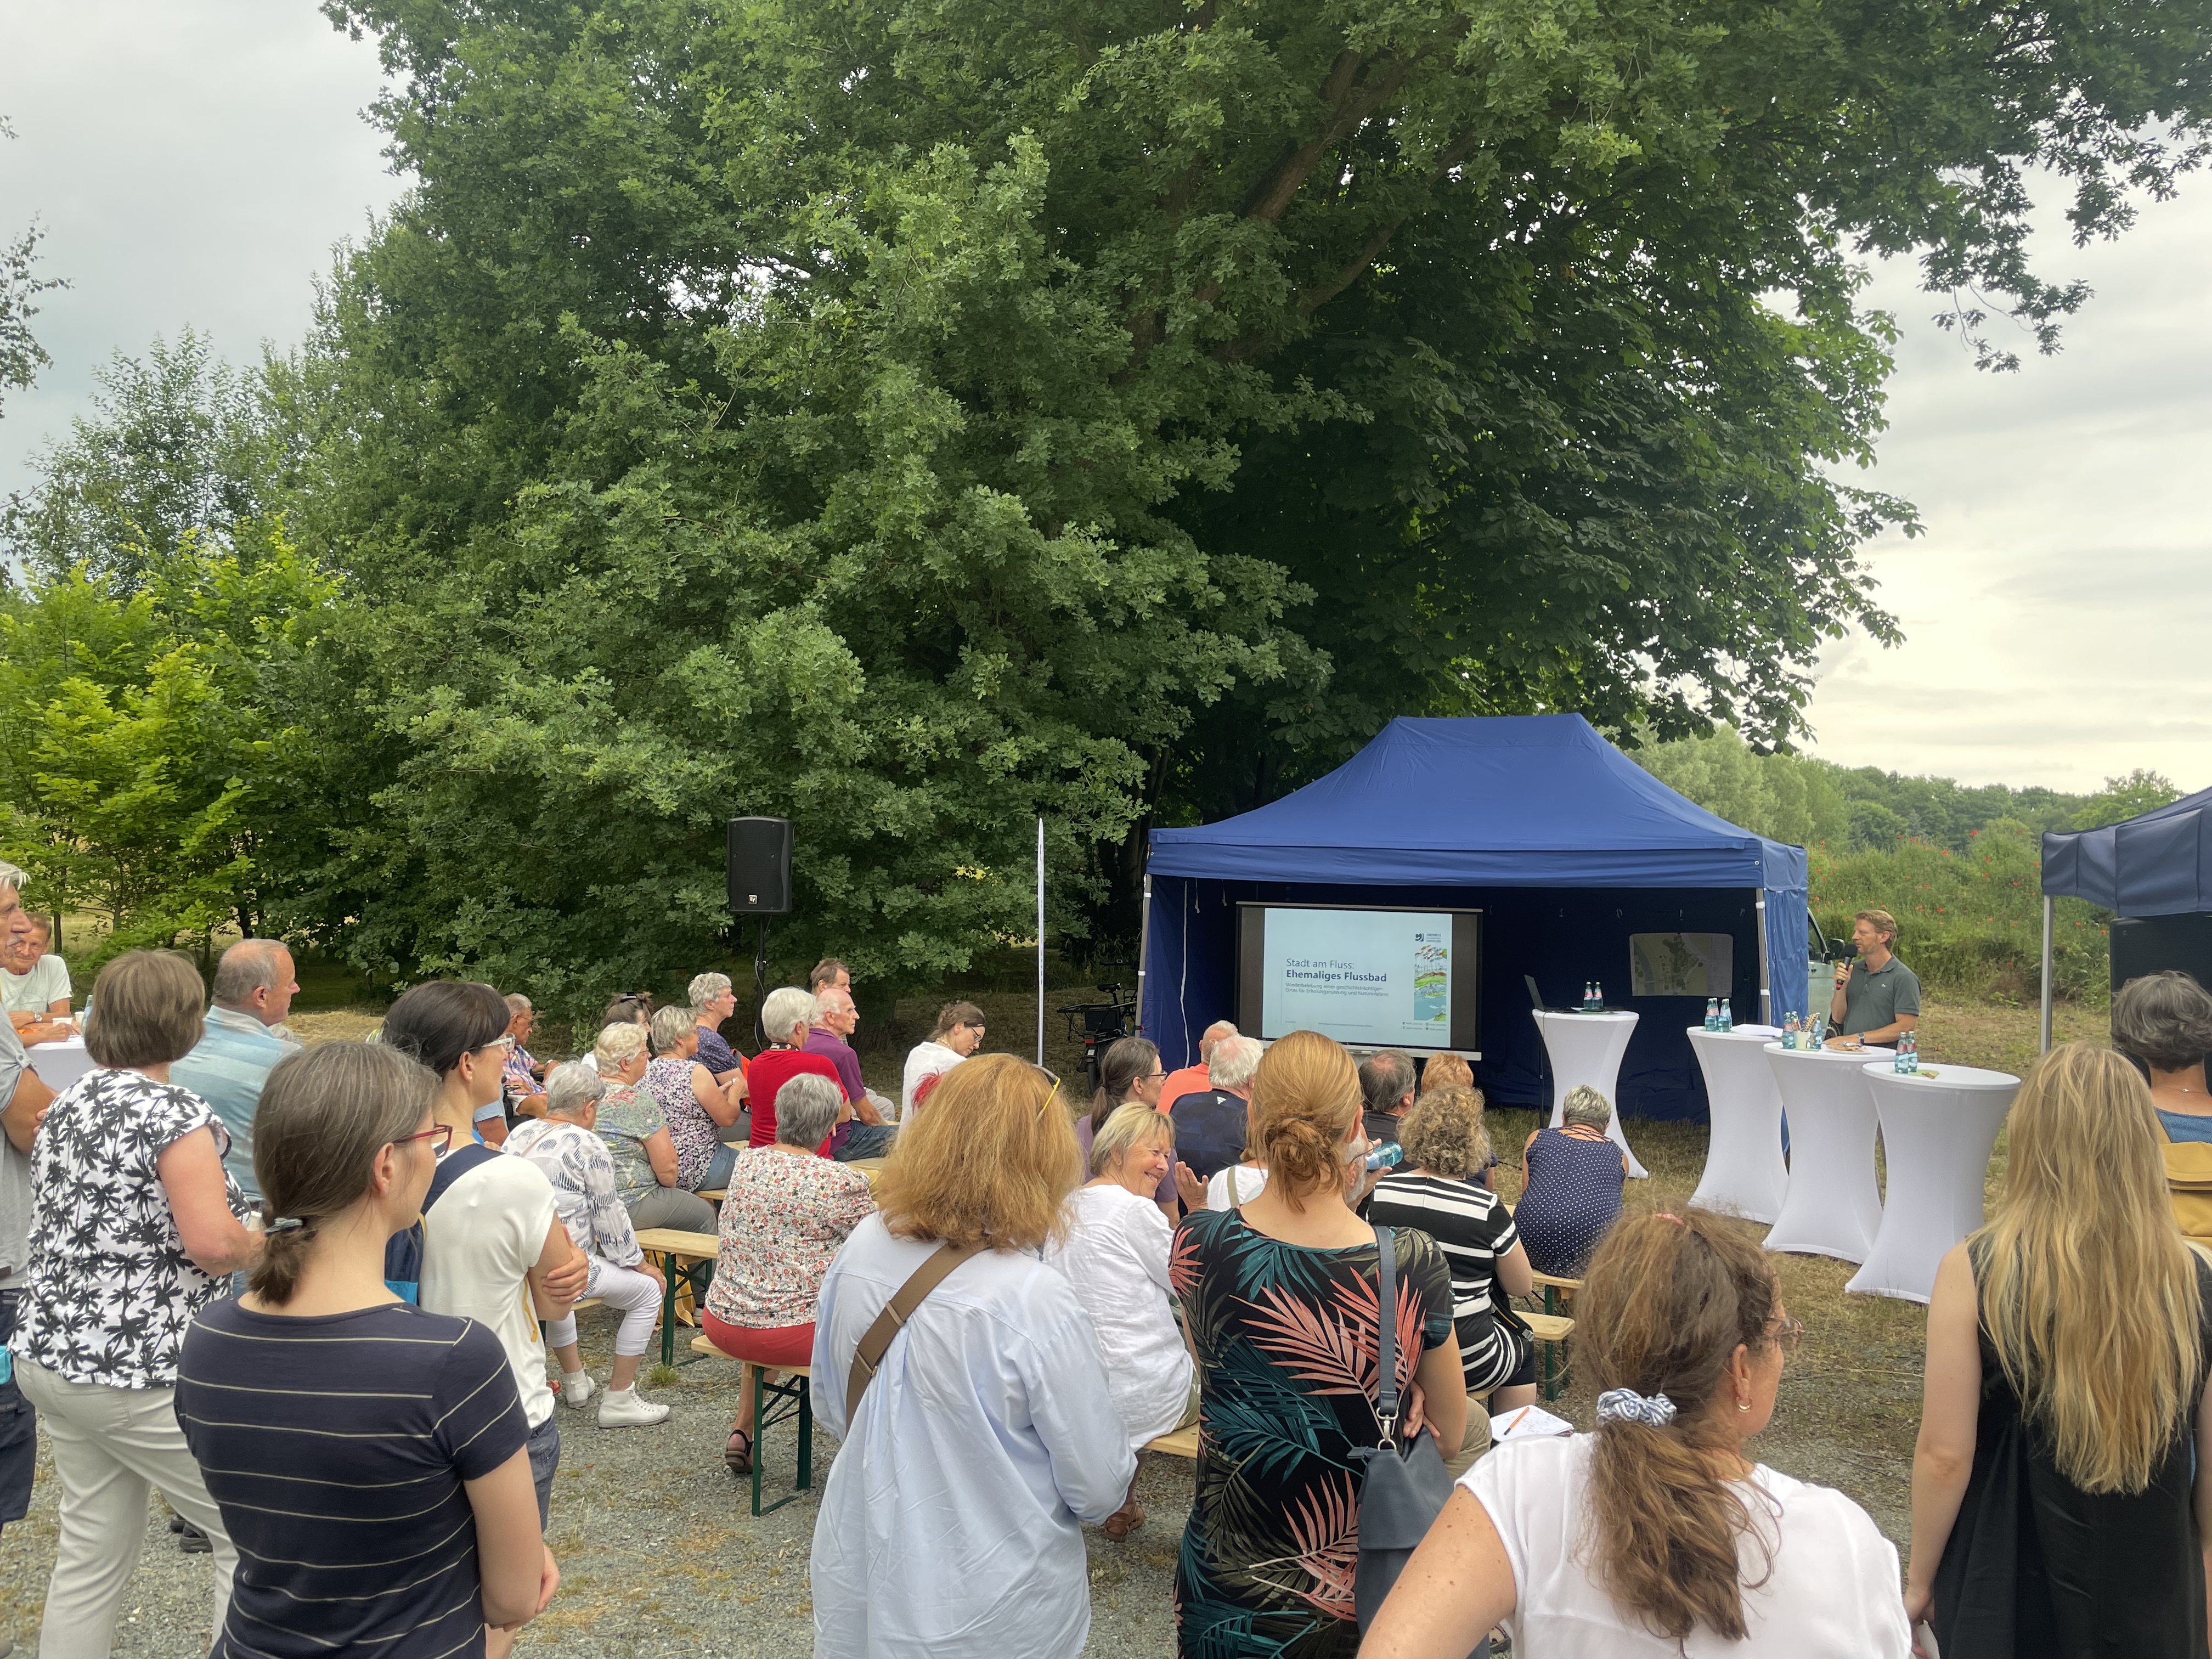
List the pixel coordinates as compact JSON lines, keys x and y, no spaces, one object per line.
{"x":336,"y":1446}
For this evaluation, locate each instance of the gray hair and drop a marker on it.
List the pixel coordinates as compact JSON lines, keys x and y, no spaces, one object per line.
{"x":1586,"y":1108}
{"x":571,"y":1086}
{"x":704,"y":988}
{"x":1235,"y":1059}
{"x":617,"y":1046}
{"x":786,"y":1006}
{"x":2163,"y":1019}
{"x":12,"y":877}
{"x":1386,"y":1077}
{"x":670,"y":1025}
{"x":806,"y":1109}
{"x":518,"y":1004}
{"x":1132,"y":1125}
{"x":248,"y":966}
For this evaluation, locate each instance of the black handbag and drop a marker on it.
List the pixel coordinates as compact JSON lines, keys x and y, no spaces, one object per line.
{"x":1403,"y":1484}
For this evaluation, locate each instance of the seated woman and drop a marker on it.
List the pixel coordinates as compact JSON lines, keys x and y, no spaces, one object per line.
{"x":567,"y":1154}
{"x":695,"y":1107}
{"x":1656,"y":1535}
{"x":1446,"y":1070}
{"x":958,"y":1033}
{"x":787,"y":1211}
{"x":1573,"y":1189}
{"x":1436,"y":1188}
{"x":636,"y":1135}
{"x":1115,"y":1253}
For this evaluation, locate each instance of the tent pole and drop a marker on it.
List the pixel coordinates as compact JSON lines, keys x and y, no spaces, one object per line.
{"x":1040,"y":1057}
{"x":1144,"y":947}
{"x":2045,"y":1049}
{"x":1766,"y":990}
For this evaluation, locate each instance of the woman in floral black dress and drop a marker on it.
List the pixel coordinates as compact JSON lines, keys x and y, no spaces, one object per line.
{"x":1281,"y":1299}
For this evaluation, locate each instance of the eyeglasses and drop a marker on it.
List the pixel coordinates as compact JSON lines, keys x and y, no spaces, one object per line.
{"x":504,"y":1041}
{"x":1788,"y":1333}
{"x":1052,"y":1094}
{"x":441,"y":1135}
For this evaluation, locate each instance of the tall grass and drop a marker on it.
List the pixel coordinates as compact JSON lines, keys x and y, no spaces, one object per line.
{"x":1969,"y":921}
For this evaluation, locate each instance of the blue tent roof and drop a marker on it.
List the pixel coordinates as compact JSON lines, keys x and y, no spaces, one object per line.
{"x":1521,"y":800}
{"x":2159,"y":863}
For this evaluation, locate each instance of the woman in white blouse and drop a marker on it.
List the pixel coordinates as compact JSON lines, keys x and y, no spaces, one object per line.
{"x":952,"y":1522}
{"x":1656,"y":1535}
{"x":959,"y":1033}
{"x":1116,"y":1255}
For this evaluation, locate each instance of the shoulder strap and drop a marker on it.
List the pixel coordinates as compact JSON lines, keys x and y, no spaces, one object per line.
{"x":1386,"y":1329}
{"x":876,"y":1341}
{"x":454,"y":1166}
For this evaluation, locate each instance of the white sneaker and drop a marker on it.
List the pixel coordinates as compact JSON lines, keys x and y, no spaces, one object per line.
{"x":620,"y":1408}
{"x":575,"y":1390}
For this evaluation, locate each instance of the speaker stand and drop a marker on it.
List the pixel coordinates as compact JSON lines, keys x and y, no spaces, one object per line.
{"x":760,"y":979}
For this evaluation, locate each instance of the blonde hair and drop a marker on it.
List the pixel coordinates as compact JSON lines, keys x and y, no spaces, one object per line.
{"x":1443,"y":1133}
{"x":1447,"y":1071}
{"x":1130,"y":1127}
{"x":1882,"y":922}
{"x":2088,"y":1289}
{"x":617,"y":1046}
{"x":1305,"y":1100}
{"x":987,"y":1163}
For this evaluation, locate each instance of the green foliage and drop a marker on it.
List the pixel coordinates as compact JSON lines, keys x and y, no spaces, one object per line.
{"x":142,"y":772}
{"x":1784,"y":797}
{"x":21,"y":357}
{"x":2124,"y":797}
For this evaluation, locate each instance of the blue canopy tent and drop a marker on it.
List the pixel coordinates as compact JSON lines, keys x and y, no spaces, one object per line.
{"x":2156,"y":864}
{"x":1565,"y":844}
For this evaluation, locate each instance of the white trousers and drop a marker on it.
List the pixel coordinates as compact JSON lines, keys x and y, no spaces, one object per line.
{"x":110,"y":1445}
{"x":627,"y":1291}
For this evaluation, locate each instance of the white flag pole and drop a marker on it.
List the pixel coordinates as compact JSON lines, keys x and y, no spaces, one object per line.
{"x":1040,"y":1052}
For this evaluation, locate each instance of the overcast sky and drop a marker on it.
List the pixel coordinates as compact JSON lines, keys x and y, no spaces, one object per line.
{"x":194,"y":163}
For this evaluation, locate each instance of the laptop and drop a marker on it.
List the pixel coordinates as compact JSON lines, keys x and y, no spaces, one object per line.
{"x":1536,"y":998}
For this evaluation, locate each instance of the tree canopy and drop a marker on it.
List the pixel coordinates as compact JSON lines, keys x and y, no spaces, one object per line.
{"x":915,"y":419}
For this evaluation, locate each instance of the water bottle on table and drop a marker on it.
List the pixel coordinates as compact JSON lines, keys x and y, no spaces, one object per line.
{"x":1712,"y":1013}
{"x":1728,"y":1019}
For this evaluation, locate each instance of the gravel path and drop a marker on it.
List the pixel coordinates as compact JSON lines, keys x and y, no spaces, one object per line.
{"x":659,"y":1553}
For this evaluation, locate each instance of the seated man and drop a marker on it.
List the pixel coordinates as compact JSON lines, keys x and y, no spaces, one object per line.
{"x":1209,"y":1127}
{"x":522,"y":1076}
{"x":864,"y":1134}
{"x":253,"y":991}
{"x":34,"y":985}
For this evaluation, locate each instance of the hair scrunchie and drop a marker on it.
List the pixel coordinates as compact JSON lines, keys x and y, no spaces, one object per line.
{"x":1626,"y":1406}
{"x":284,"y":1224}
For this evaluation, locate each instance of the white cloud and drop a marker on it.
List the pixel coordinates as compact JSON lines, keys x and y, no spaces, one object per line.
{"x":193,"y":164}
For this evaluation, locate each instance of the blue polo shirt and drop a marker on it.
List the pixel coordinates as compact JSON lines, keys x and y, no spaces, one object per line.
{"x":226,"y":1068}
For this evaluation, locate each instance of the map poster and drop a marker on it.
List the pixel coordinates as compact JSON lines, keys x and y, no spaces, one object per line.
{"x":1682,"y":964}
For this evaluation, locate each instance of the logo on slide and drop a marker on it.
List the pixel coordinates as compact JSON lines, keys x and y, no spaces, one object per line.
{"x":1432,"y":979}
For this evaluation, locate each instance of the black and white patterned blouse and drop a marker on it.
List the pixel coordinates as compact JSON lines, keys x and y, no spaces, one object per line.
{"x":111,"y":1291}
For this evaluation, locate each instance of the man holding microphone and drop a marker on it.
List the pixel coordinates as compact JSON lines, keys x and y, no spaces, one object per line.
{"x":1877,"y":997}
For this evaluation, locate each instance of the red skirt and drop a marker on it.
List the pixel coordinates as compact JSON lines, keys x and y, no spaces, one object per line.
{"x":778,"y":1345}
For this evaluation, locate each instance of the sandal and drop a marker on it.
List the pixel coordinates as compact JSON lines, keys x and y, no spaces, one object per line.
{"x":1123,"y":1522}
{"x":738,"y":1463}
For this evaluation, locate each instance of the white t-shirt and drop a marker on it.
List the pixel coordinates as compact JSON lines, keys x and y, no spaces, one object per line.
{"x":1221,"y":1195}
{"x":1833,"y":1594}
{"x":480,"y":1240}
{"x":1116,"y":1255}
{"x":926,"y":1059}
{"x":47,"y":983}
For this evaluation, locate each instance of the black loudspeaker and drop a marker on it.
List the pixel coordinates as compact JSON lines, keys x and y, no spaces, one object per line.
{"x":2149,"y":944}
{"x":759,"y":867}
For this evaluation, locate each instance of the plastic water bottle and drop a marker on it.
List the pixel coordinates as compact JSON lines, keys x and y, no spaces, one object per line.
{"x":1728,"y":1019}
{"x":1382,"y":1157}
{"x":1908,"y":1054}
{"x":1712,"y":1013}
{"x":1789,"y":1032}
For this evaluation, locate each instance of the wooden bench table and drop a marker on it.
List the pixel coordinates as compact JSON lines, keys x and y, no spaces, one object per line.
{"x":774,"y":1403}
{"x":674,"y":1246}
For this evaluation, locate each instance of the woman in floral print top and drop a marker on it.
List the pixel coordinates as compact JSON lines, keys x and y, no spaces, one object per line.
{"x":787,"y":1211}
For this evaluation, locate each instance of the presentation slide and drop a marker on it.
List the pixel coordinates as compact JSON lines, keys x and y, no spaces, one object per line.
{"x":1374,"y":979}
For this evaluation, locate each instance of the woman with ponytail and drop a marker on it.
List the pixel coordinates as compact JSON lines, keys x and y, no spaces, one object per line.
{"x":1656,"y":1535}
{"x":1128,"y":1071}
{"x":342,"y":1430}
{"x":1280,"y":1299}
{"x":2055,"y":1507}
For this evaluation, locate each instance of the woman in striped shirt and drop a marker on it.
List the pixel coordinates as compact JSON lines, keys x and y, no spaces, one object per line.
{"x":1438,"y":1190}
{"x":367,"y":1455}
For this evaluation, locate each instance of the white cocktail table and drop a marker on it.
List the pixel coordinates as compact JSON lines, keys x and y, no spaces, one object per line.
{"x":1831,"y":1206}
{"x":1586,"y":1049}
{"x":59,"y":1064}
{"x":1938,"y":1127}
{"x":1744,"y":1173}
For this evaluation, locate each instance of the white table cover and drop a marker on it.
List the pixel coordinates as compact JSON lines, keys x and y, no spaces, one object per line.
{"x":1744,"y":1173}
{"x":1831,"y":1206}
{"x":59,"y":1064}
{"x":1586,"y":1049}
{"x":1938,"y":1133}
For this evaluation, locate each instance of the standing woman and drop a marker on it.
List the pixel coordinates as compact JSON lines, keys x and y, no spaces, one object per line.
{"x":2062,"y":1487}
{"x":134,"y":1226}
{"x":1280,"y":1297}
{"x":341,"y":1429}
{"x":952,"y":1525}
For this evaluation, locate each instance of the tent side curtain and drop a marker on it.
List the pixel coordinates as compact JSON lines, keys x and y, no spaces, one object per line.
{"x":1787,"y":945}
{"x":2157,"y":864}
